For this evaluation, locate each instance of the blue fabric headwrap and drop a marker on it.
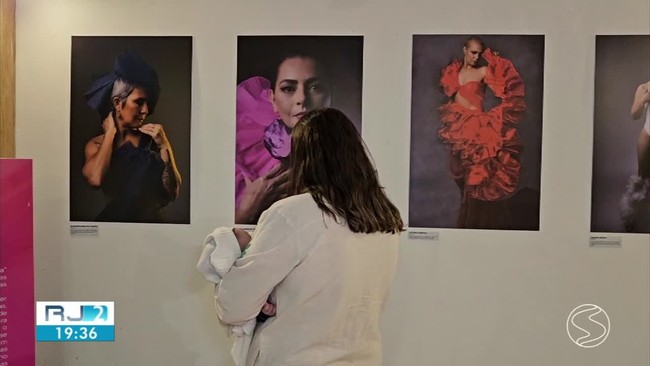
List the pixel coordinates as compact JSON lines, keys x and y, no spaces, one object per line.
{"x":132,"y":68}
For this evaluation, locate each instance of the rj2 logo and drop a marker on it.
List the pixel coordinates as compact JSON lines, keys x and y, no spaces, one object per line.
{"x":74,"y":313}
{"x":88,"y":313}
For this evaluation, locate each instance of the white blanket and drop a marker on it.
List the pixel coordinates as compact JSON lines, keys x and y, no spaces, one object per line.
{"x":220,"y":251}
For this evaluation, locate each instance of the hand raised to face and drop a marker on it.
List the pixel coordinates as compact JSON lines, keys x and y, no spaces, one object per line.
{"x":157,"y":133}
{"x":109,"y":124}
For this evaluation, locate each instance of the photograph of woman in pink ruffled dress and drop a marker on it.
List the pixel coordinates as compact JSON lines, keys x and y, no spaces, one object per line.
{"x":476,"y":124}
{"x":279,"y":79}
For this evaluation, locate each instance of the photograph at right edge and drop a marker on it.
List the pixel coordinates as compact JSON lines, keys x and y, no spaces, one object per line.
{"x":620,"y":195}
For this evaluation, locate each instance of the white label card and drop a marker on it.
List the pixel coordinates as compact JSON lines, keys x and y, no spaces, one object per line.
{"x":84,"y":230}
{"x":606,"y":241}
{"x":423,"y":234}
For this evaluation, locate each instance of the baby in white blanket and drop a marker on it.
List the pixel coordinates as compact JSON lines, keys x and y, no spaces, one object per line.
{"x":220,"y":251}
{"x":244,"y":239}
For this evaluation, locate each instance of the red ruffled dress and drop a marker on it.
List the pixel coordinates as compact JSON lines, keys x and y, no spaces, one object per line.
{"x":485,"y":145}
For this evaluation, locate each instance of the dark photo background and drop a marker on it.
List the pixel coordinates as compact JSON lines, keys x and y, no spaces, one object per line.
{"x":342,"y":55}
{"x":622,"y":64}
{"x":92,"y":57}
{"x":434,"y":197}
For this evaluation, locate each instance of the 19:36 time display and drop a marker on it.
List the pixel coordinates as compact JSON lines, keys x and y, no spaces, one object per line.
{"x":76,"y":333}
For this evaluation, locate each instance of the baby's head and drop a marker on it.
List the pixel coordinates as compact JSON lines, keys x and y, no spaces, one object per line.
{"x":243,"y":238}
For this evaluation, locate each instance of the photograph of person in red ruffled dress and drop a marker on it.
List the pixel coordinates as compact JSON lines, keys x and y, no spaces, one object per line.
{"x":476,"y":131}
{"x":620,"y":195}
{"x":280,"y":79}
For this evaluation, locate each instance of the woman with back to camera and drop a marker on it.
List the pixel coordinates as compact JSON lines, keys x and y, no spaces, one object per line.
{"x":131,"y":161}
{"x":267,"y":111}
{"x":635,"y":205}
{"x":326,"y":256}
{"x":485,"y":145}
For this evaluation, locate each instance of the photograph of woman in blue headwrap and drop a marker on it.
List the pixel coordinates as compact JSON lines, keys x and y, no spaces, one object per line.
{"x":131,"y":160}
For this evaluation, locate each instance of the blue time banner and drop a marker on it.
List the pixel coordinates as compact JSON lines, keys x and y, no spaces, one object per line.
{"x":75,"y":333}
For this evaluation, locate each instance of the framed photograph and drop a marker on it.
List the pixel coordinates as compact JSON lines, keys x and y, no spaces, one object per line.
{"x":476,"y":131}
{"x":130,"y":118}
{"x":279,"y":79}
{"x":620,"y":193}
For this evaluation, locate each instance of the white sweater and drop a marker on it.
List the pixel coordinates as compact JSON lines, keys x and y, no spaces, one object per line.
{"x":329,"y":285}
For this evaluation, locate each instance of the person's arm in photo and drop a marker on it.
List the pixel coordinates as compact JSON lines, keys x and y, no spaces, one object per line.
{"x":171,"y":177}
{"x":243,"y":292}
{"x":98,"y":153}
{"x":449,"y":79}
{"x":502,"y":77}
{"x":261,"y":193}
{"x":641,"y":97}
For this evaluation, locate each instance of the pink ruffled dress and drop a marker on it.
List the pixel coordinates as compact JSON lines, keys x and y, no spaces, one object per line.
{"x":263,"y":140}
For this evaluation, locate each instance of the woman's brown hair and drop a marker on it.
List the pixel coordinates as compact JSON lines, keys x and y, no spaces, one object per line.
{"x":331,"y":162}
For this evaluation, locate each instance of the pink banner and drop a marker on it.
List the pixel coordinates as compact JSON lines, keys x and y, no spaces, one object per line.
{"x":17,"y":323}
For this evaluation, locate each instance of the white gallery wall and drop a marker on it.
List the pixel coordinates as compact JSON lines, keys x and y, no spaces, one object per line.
{"x":472,"y":297}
